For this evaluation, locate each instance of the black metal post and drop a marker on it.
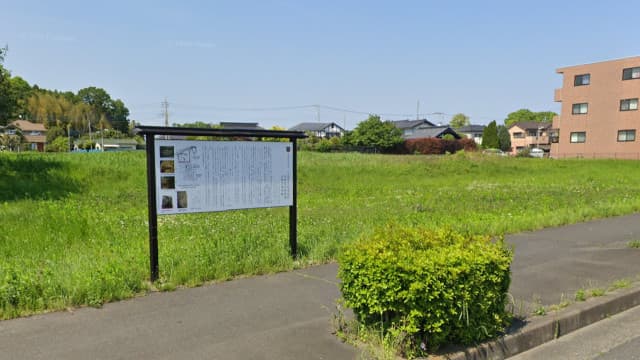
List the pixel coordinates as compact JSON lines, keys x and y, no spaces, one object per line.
{"x":153,"y":206}
{"x":293,"y":209}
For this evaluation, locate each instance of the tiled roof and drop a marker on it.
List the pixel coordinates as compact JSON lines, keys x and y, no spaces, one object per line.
{"x":35,"y":138}
{"x":408,"y":124}
{"x":25,"y":125}
{"x":239,"y":125}
{"x":313,"y":126}
{"x":432,"y":132}
{"x":530,"y":125}
{"x":471,"y":129}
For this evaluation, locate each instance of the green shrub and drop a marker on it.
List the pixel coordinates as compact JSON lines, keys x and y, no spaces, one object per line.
{"x":526,"y":152}
{"x":427,"y":287}
{"x":60,"y":144}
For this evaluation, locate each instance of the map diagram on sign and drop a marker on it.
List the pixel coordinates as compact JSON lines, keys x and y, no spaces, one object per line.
{"x":224,"y":175}
{"x":187,"y":158}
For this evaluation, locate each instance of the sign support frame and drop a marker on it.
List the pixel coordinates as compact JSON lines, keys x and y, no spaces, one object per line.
{"x":150,"y":133}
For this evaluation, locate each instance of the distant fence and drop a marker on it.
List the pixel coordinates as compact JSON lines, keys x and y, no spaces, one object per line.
{"x":589,"y":155}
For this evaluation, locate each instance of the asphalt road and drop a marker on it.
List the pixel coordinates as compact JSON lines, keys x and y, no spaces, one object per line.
{"x":615,"y":338}
{"x":288,"y":315}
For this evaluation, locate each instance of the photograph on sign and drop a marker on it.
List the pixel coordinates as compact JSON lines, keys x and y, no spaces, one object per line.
{"x":202,"y":176}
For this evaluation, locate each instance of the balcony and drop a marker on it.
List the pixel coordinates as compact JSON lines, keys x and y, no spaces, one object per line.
{"x":557,"y":96}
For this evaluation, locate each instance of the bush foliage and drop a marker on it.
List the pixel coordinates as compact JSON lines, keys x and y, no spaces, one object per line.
{"x":428,"y":287}
{"x":435,"y":146}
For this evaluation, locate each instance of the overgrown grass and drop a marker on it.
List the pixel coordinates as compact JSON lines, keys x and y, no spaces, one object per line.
{"x":74,"y":226}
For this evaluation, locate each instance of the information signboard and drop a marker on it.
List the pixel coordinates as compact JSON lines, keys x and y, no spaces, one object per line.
{"x":185,"y":176}
{"x":203,"y":176}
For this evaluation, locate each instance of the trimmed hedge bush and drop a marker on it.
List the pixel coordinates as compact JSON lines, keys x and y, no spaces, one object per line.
{"x":427,"y":287}
{"x":435,"y":146}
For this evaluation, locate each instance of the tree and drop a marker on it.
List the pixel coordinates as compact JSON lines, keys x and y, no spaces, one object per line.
{"x":459,"y":120}
{"x":5,"y":90}
{"x":504,"y":139}
{"x":55,"y":132}
{"x":382,"y":135}
{"x":490,"y":136}
{"x":545,"y":116}
{"x":98,"y":98}
{"x":528,"y":115}
{"x":11,"y":142}
{"x":60,"y":144}
{"x":119,"y":116}
{"x":20,"y":92}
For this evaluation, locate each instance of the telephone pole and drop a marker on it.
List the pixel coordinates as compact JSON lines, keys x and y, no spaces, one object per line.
{"x":165,"y":112}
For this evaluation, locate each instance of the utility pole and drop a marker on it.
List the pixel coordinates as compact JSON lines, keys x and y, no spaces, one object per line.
{"x":317,"y":112}
{"x":165,"y":112}
{"x":418,"y":111}
{"x":101,"y":136}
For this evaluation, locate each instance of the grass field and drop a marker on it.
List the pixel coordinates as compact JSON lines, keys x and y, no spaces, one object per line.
{"x":74,"y":226}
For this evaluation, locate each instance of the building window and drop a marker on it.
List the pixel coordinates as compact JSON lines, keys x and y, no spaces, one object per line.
{"x":583,"y":79}
{"x":626,"y":135}
{"x":582,"y":108}
{"x":629,"y":104}
{"x":578,"y":137}
{"x":554,"y":135}
{"x":518,"y":135}
{"x":631,"y":73}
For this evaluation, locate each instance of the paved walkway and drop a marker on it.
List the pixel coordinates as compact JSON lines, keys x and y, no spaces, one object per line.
{"x":288,"y":315}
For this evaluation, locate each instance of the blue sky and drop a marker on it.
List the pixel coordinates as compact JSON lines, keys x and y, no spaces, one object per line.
{"x":267,"y":61}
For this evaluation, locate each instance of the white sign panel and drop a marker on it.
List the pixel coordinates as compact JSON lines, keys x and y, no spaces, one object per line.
{"x":203,"y":176}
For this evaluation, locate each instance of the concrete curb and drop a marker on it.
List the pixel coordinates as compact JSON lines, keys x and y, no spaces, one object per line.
{"x":539,"y":330}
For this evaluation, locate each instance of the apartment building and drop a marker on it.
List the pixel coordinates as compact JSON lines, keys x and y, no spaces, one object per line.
{"x":529,"y":135}
{"x":599,"y":116}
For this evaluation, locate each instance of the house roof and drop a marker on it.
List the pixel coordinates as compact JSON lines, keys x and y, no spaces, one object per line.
{"x":35,"y":138}
{"x":471,"y":129}
{"x":313,"y":126}
{"x":239,"y":125}
{"x":432,"y":132}
{"x":530,"y":125}
{"x":125,"y":141}
{"x":409,"y":124}
{"x":25,"y":125}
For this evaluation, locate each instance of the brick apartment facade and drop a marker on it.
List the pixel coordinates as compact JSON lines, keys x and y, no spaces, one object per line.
{"x":599,"y":117}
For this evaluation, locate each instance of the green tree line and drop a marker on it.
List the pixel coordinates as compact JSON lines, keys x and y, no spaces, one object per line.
{"x":90,"y":109}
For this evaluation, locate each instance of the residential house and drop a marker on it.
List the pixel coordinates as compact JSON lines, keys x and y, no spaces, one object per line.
{"x":472,"y":132}
{"x":35,"y":135}
{"x":599,"y":116}
{"x":240,"y":126}
{"x":320,"y":130}
{"x":409,"y":127}
{"x":125,"y":144}
{"x":432,"y":132}
{"x":529,"y":135}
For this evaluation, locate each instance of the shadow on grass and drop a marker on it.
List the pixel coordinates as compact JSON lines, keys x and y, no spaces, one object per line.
{"x":34,"y":177}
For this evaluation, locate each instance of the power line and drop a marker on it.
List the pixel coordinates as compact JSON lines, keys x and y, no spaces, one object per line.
{"x":219,"y":108}
{"x":315,"y":107}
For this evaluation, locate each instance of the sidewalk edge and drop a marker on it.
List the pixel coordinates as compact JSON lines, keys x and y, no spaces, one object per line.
{"x":541,"y":330}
